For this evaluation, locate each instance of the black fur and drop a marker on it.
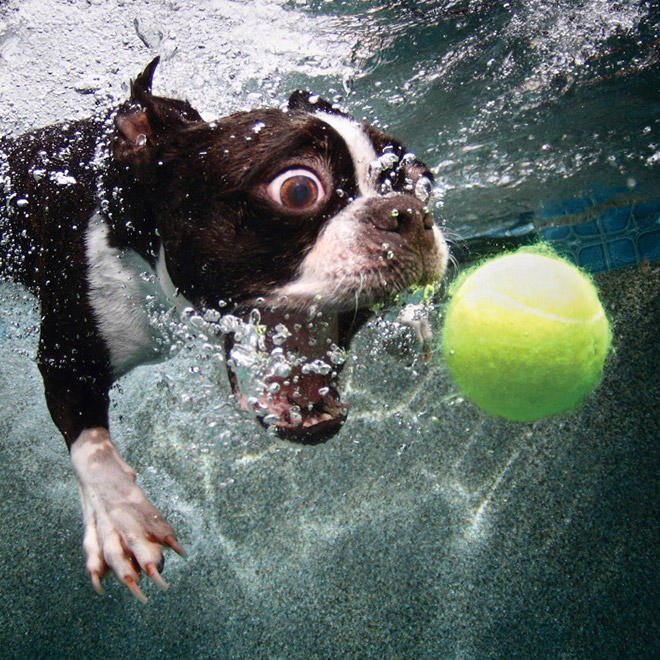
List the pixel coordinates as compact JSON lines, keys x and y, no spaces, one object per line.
{"x":164,"y":183}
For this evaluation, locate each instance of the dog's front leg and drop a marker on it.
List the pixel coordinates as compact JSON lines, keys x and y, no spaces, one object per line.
{"x":124,"y":532}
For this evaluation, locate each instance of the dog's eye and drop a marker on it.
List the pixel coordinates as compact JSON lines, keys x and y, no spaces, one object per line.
{"x":296,"y":189}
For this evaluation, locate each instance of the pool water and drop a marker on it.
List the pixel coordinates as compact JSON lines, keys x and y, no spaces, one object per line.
{"x":425,"y":528}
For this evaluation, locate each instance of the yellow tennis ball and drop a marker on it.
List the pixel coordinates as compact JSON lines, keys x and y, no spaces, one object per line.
{"x":525,"y":335}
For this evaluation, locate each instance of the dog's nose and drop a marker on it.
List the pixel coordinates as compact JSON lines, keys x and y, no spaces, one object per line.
{"x":400,"y":213}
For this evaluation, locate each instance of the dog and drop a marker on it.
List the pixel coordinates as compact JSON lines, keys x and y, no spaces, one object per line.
{"x":302,"y":216}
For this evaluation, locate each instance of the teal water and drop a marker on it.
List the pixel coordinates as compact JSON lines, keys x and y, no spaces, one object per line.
{"x":424,"y":529}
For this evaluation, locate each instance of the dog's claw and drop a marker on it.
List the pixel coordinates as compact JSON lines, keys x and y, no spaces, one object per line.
{"x":96,"y":583}
{"x":152,"y":571}
{"x":171,"y":541}
{"x":134,"y":589}
{"x":124,"y":532}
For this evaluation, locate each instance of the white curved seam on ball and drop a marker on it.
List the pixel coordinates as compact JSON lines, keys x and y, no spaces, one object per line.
{"x":533,"y":310}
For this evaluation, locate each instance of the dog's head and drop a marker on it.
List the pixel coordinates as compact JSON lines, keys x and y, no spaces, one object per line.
{"x":304,"y":214}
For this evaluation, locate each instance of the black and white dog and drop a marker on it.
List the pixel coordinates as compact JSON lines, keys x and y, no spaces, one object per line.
{"x":304,"y":214}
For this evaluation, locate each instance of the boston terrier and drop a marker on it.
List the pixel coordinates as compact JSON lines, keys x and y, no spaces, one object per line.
{"x":302,"y":216}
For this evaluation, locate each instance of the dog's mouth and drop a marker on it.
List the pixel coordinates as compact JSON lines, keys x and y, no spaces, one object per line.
{"x":284,"y":367}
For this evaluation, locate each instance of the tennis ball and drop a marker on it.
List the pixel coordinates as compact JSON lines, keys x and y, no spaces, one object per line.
{"x":525,"y":335}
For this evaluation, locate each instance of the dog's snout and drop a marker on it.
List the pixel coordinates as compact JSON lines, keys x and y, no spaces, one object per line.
{"x":401,"y":213}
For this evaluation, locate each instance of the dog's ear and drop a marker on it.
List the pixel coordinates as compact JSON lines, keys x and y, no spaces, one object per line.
{"x":145,"y":79}
{"x":308,"y":102}
{"x":163,"y":110}
{"x":146,"y":122}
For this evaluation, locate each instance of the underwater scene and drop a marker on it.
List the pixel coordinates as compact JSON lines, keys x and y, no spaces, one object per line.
{"x":422,"y":526}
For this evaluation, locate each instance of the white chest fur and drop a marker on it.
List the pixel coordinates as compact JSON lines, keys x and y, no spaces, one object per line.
{"x":127,"y":295}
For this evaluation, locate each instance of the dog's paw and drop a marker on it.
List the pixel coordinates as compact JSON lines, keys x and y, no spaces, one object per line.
{"x":124,"y":532}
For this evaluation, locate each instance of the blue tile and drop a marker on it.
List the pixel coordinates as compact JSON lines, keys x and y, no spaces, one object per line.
{"x":647,"y":212}
{"x":587,"y":229}
{"x":556,"y":233}
{"x":618,"y":238}
{"x":649,"y":245}
{"x":615,"y":220}
{"x":592,"y":258}
{"x":550,"y":211}
{"x":621,"y":253}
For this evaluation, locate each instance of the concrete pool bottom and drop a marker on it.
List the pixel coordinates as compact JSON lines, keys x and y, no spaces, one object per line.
{"x":427,"y":530}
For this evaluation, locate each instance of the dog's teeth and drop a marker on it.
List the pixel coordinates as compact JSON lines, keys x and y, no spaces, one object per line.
{"x":312,"y":421}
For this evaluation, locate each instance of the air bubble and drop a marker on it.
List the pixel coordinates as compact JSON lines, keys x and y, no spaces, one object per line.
{"x":295,"y":416}
{"x":337,"y":355}
{"x":212,"y":315}
{"x":280,"y":335}
{"x":423,"y":189}
{"x":282,"y":370}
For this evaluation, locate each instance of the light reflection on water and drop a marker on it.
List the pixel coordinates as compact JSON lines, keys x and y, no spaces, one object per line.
{"x":517,"y":104}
